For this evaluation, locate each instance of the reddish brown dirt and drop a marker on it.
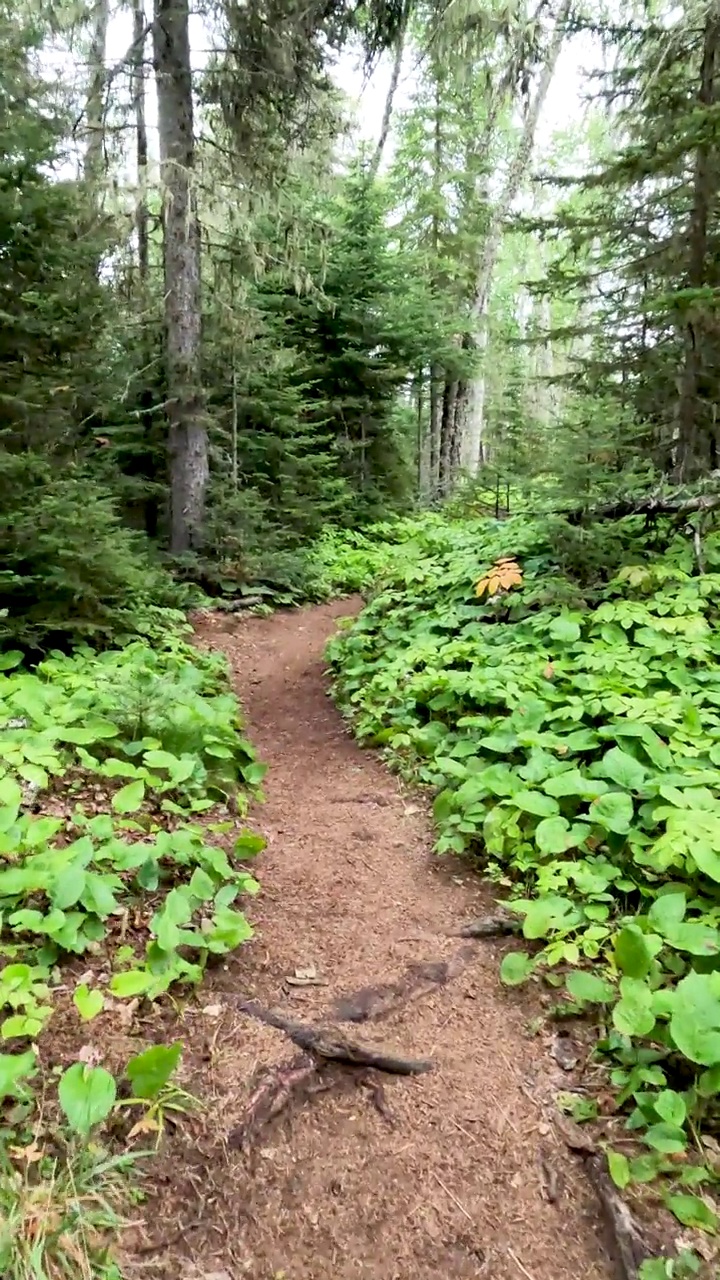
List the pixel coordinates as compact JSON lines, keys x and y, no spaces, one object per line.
{"x":349,"y":886}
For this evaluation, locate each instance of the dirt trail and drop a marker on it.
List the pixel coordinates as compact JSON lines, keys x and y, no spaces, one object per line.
{"x":333,"y":1191}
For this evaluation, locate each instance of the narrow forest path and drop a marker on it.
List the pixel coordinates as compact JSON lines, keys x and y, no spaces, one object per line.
{"x":455,"y":1184}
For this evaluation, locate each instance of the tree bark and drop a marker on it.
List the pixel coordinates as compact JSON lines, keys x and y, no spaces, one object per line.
{"x":141,"y":144}
{"x":95,"y":99}
{"x":473,"y":410}
{"x":188,"y":444}
{"x":447,"y":429}
{"x":392,"y":90}
{"x":436,"y":404}
{"x":692,"y":454}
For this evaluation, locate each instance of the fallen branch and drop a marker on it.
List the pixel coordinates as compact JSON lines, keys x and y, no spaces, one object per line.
{"x":498,"y":926}
{"x":418,"y":980}
{"x":328,"y":1043}
{"x":655,"y":505}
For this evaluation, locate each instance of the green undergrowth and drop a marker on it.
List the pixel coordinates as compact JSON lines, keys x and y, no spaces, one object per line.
{"x":569,"y":725}
{"x":125,"y":777}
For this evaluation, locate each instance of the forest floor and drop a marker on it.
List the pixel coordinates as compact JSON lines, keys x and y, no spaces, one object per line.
{"x":457,"y":1172}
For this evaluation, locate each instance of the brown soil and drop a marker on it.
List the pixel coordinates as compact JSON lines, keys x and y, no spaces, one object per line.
{"x":454,"y":1181}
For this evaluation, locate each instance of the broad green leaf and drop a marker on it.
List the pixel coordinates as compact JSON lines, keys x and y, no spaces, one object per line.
{"x":667,"y":911}
{"x":165,"y":924}
{"x":573,"y":783}
{"x":25,"y":1025}
{"x":516,"y":968}
{"x":68,"y":887}
{"x":706,"y":859}
{"x":614,"y":811}
{"x":88,"y":1003}
{"x":229,"y":928}
{"x":667,"y":1138}
{"x":708,"y":1084}
{"x":34,"y":774}
{"x":633,"y":1014}
{"x":695,"y":938}
{"x":132,"y":982}
{"x":619,"y":1168}
{"x":693,"y":1212}
{"x":535,"y":802}
{"x":544,"y":915}
{"x":161,"y":760}
{"x":633,"y":956}
{"x":589,"y":987}
{"x":201,"y":886}
{"x":10,"y":793}
{"x":695,"y":1020}
{"x":87,"y":1096}
{"x":623,"y":769}
{"x":14,"y":1069}
{"x":249,"y":845}
{"x":97,"y":895}
{"x":129,"y":798}
{"x":565,"y":629}
{"x":149,"y":1072}
{"x":552,"y":834}
{"x":670,"y":1106}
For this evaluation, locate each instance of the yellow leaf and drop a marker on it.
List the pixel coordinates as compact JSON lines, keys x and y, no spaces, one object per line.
{"x":146,"y":1124}
{"x":504,"y":574}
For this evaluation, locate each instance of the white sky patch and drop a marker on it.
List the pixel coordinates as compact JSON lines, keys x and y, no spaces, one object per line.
{"x":564,"y":106}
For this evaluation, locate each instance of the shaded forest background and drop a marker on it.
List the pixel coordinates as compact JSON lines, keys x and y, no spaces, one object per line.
{"x":211,"y":354}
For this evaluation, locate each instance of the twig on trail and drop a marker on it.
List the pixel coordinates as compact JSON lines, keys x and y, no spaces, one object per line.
{"x":519,"y":1265}
{"x":167,"y":1241}
{"x":497,"y":926}
{"x":329,"y":1043}
{"x":418,"y":980}
{"x":452,"y":1197}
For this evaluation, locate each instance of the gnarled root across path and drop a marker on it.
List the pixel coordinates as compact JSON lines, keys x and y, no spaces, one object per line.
{"x":377,"y":1107}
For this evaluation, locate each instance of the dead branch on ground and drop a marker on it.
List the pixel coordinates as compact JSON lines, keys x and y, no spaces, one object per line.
{"x":329,"y":1043}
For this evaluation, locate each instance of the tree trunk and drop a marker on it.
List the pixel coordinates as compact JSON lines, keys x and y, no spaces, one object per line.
{"x":95,"y":99}
{"x":447,"y":428}
{"x":543,"y":393}
{"x":141,"y":144}
{"x":146,"y":396}
{"x":473,"y":415}
{"x":421,"y":441}
{"x":692,"y":452}
{"x":436,"y":406}
{"x":188,"y":444}
{"x":392,"y":90}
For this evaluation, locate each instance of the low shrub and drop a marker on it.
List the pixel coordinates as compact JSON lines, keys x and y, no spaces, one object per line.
{"x":570,"y":729}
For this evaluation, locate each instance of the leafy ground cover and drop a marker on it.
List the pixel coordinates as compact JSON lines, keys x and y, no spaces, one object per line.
{"x":562,"y":698}
{"x":111,"y":893}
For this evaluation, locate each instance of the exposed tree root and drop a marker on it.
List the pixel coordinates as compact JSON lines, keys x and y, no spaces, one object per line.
{"x":497,"y":926}
{"x":418,"y":980}
{"x":629,"y":1246}
{"x":328,"y":1043}
{"x":276,"y":1087}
